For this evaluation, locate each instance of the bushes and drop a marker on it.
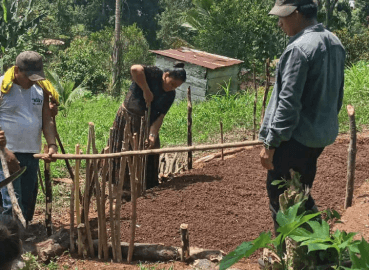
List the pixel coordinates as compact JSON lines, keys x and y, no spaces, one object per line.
{"x":88,"y":59}
{"x":356,"y":45}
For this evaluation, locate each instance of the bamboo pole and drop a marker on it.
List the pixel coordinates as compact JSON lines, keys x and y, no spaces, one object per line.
{"x":110,"y":190}
{"x":351,"y":159}
{"x":77,"y":202}
{"x":189,"y":127}
{"x":221,"y":139}
{"x":87,"y":195}
{"x":132,"y":169}
{"x":155,"y":151}
{"x":49,"y":195}
{"x":267,"y":75}
{"x":255,"y":103}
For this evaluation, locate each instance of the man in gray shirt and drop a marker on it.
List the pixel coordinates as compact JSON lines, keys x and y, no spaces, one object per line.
{"x":302,"y":114}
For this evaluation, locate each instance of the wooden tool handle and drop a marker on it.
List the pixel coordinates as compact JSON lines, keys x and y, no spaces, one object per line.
{"x":10,"y":187}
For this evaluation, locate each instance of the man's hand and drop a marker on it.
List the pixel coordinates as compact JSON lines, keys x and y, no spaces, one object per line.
{"x":13,"y":163}
{"x":2,"y":139}
{"x":266,"y":158}
{"x":53,"y":149}
{"x":53,"y":109}
{"x":150,"y":143}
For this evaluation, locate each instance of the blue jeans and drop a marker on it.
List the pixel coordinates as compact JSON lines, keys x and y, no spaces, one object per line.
{"x":25,"y":187}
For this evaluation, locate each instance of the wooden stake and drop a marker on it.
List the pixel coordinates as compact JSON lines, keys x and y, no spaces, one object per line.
{"x":49,"y":195}
{"x":255,"y":103}
{"x":185,"y":254}
{"x":351,"y":158}
{"x":111,"y":199}
{"x":189,"y":127}
{"x":267,"y":83}
{"x":221,"y":139}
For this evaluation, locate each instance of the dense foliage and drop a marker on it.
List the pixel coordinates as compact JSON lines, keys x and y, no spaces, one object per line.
{"x":88,"y":59}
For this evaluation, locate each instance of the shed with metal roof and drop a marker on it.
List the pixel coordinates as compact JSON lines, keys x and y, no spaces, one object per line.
{"x":205,"y":71}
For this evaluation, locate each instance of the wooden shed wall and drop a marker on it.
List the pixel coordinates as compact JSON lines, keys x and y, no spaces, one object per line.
{"x":195,"y":78}
{"x":203,"y":81}
{"x":220,"y":76}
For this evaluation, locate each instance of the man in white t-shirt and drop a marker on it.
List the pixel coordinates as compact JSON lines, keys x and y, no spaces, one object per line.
{"x":24,"y":115}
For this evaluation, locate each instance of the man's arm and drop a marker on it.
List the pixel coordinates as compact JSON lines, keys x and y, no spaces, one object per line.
{"x":294,"y":69}
{"x":49,"y":130}
{"x":138,"y":75}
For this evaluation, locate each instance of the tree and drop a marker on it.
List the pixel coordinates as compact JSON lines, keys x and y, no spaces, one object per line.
{"x":171,"y":21}
{"x":237,"y":28}
{"x":116,"y":52}
{"x":101,"y":13}
{"x":15,"y":22}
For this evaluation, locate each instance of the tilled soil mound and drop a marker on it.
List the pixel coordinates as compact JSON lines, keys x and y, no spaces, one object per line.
{"x":225,"y":202}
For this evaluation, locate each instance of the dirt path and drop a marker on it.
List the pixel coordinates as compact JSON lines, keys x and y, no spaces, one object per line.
{"x":225,"y":202}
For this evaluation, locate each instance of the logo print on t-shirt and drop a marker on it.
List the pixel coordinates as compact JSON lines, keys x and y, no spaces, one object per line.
{"x":36,"y":101}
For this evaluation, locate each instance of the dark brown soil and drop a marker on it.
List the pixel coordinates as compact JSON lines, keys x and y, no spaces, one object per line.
{"x":225,"y":202}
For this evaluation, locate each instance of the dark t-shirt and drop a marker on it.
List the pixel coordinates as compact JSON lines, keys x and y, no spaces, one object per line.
{"x":135,"y":102}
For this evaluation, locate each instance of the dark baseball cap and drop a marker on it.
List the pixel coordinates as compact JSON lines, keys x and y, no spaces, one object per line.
{"x":283,"y":8}
{"x":30,"y":62}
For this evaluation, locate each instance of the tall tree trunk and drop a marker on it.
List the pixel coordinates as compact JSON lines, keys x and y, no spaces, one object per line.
{"x":116,"y":51}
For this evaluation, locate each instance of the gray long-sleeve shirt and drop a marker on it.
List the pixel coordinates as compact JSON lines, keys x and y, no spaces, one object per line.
{"x":308,"y":92}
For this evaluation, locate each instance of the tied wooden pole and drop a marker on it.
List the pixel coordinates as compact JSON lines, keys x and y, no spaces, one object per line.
{"x":71,"y":229}
{"x":132,"y":169}
{"x":122,"y":174}
{"x":104,"y":237}
{"x":189,"y":127}
{"x":221,"y":139}
{"x":255,"y":102}
{"x":77,"y":202}
{"x":49,"y":195}
{"x":111,"y":199}
{"x":351,"y":158}
{"x":185,"y":242}
{"x":267,"y":84}
{"x":86,"y":201}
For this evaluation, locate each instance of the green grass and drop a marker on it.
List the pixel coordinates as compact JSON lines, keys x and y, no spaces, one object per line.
{"x":356,"y":94}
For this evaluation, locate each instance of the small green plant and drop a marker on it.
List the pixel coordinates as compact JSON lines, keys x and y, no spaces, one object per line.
{"x":31,"y":263}
{"x":306,"y":234}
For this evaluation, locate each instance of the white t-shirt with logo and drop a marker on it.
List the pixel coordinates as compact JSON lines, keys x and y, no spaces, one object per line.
{"x":21,"y":118}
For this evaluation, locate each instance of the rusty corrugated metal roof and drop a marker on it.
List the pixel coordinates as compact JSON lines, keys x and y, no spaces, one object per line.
{"x":199,"y":58}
